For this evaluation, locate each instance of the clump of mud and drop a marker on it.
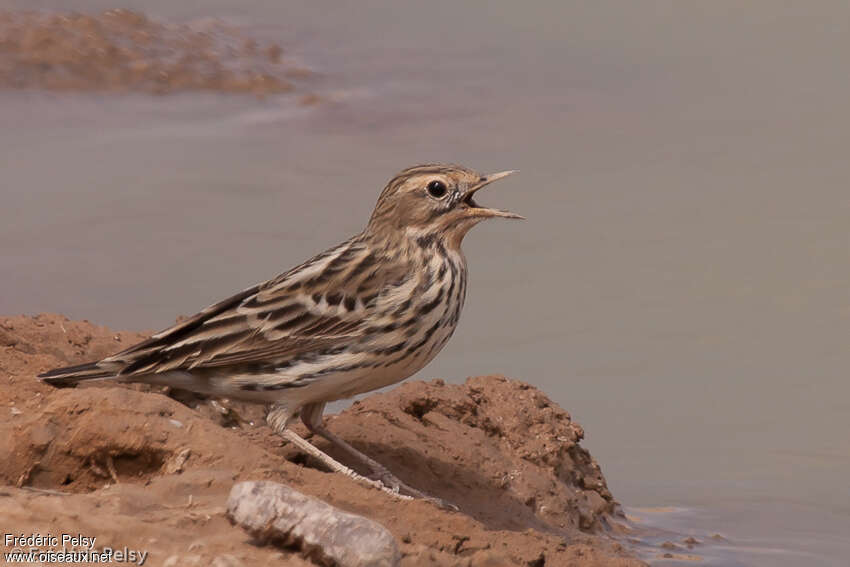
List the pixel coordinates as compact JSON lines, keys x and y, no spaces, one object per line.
{"x":122,"y":50}
{"x":137,"y":468}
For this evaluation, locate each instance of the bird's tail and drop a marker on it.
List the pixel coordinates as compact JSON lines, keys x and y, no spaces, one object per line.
{"x":71,"y":375}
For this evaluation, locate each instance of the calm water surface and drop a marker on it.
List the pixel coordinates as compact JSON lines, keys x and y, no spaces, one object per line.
{"x":681,"y":284}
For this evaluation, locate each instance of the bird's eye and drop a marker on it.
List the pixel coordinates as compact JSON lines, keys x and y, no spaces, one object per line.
{"x":437,"y":189}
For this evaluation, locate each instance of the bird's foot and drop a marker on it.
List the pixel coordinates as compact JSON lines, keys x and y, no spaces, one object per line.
{"x":392,"y":482}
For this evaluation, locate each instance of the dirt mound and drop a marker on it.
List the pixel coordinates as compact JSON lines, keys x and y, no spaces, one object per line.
{"x":137,"y":468}
{"x":121,"y":50}
{"x":498,"y":448}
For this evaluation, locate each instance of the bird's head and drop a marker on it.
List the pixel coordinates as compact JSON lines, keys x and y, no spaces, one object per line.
{"x":436,"y":200}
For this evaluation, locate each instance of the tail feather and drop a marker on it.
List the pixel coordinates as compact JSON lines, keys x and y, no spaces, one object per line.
{"x":71,"y":375}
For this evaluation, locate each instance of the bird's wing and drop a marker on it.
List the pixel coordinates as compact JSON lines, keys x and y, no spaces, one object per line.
{"x":321,"y":305}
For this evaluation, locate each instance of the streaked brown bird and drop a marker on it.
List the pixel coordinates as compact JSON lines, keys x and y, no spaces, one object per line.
{"x":365,"y":314}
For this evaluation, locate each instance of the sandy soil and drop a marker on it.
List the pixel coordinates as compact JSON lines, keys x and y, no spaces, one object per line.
{"x":121,"y":50}
{"x":137,"y":468}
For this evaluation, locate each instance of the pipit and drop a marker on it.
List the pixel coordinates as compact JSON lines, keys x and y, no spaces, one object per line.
{"x":365,"y":314}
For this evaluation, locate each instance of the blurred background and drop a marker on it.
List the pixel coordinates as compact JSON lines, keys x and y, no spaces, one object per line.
{"x":680,"y":285}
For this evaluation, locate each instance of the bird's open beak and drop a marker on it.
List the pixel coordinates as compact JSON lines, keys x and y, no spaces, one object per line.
{"x":476,"y":210}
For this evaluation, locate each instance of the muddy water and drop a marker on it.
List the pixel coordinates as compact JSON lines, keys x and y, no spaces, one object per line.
{"x":681,"y":284}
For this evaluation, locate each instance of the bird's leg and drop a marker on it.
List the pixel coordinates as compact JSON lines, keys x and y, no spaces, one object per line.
{"x":279,"y":417}
{"x":311,"y":415}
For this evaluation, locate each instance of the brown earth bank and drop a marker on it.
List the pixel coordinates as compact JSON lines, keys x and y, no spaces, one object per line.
{"x":121,"y":50}
{"x":134,"y":467}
